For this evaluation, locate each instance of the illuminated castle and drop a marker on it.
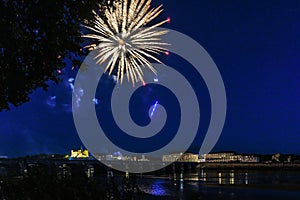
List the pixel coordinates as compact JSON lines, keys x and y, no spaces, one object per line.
{"x":78,"y":154}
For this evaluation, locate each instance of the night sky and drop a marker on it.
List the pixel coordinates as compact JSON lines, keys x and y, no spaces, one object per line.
{"x":256,"y":46}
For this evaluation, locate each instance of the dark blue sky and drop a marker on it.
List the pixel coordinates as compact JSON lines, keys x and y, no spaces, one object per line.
{"x":256,"y":46}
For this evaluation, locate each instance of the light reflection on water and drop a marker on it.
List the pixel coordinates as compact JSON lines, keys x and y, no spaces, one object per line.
{"x":212,"y":183}
{"x":157,"y":189}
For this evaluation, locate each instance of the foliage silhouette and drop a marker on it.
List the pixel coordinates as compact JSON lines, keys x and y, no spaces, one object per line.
{"x":36,"y":37}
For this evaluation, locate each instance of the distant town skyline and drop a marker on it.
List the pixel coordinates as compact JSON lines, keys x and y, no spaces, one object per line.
{"x":256,"y":47}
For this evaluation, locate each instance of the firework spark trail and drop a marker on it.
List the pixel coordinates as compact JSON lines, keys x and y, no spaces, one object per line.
{"x":123,"y":43}
{"x":153,"y":109}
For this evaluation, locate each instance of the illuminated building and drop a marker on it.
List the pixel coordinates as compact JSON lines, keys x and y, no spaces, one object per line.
{"x":225,"y":157}
{"x":115,"y":156}
{"x":250,"y":158}
{"x":220,"y":157}
{"x":276,"y":157}
{"x":78,"y":154}
{"x":180,"y":157}
{"x":143,"y":159}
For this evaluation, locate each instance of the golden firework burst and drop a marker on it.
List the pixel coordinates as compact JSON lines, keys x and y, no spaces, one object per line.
{"x":124,"y":41}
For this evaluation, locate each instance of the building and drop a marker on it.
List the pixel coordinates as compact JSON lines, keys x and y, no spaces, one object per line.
{"x":143,"y":159}
{"x":115,"y":156}
{"x":250,"y":158}
{"x":226,"y":157}
{"x":219,"y":157}
{"x":79,"y":154}
{"x":181,"y":157}
{"x":99,"y":156}
{"x":276,"y":157}
{"x":171,"y":157}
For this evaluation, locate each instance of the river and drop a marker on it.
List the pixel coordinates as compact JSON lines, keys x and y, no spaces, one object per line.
{"x":223,"y":184}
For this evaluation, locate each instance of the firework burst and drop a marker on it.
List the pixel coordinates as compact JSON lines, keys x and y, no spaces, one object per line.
{"x":123,"y":41}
